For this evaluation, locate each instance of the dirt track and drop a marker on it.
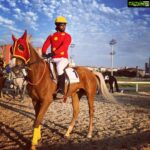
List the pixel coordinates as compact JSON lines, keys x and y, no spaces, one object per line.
{"x":115,"y":127}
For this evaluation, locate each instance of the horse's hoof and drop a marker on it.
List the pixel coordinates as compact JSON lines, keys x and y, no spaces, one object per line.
{"x":33,"y":147}
{"x":67,"y":136}
{"x":89,"y":136}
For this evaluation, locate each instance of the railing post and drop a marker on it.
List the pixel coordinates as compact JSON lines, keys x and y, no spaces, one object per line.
{"x":137,"y":87}
{"x":135,"y":83}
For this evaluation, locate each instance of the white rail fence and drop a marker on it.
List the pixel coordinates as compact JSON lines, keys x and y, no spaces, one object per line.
{"x":135,"y":83}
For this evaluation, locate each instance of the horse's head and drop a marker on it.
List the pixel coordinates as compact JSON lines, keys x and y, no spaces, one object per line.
{"x":20,"y":49}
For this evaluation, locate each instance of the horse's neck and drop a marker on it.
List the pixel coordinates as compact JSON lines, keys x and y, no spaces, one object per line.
{"x":36,"y":65}
{"x":34,"y":57}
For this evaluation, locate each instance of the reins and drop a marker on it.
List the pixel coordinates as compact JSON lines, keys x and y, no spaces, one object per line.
{"x":36,"y":83}
{"x":26,"y":66}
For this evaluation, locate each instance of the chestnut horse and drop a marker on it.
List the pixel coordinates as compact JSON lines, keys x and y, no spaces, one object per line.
{"x":41,"y":87}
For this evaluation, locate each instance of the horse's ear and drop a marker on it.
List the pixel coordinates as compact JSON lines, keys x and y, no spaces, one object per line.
{"x":13,"y":37}
{"x":29,"y":37}
{"x":24,"y":35}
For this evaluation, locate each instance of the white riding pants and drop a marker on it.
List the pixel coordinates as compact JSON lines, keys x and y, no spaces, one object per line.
{"x":61,"y":63}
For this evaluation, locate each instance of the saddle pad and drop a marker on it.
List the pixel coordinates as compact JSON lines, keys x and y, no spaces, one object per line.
{"x":72,"y":75}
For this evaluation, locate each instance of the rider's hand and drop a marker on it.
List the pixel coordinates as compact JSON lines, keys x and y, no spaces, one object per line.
{"x":48,"y":55}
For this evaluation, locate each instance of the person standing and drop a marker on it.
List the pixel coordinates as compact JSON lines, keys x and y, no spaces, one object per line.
{"x":1,"y":64}
{"x":59,"y":42}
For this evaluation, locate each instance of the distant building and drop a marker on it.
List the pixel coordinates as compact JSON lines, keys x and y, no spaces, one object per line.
{"x":5,"y":52}
{"x":147,"y":67}
{"x":103,"y":69}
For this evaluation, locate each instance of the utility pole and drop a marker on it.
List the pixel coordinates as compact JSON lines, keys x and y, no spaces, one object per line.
{"x":149,"y":66}
{"x":112,"y":53}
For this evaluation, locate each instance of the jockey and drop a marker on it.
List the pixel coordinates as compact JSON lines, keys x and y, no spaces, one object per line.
{"x":59,"y":41}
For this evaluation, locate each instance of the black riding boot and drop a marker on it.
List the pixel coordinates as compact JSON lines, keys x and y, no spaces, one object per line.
{"x":60,"y":86}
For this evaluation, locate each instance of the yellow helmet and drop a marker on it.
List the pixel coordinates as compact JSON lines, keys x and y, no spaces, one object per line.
{"x":60,"y":19}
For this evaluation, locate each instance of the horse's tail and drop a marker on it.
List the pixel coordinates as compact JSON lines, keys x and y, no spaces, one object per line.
{"x":103,"y":88}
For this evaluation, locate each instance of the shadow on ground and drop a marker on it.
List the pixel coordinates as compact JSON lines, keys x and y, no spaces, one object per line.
{"x":110,"y":143}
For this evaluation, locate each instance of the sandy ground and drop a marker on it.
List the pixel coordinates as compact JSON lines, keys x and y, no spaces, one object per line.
{"x":116,"y":127}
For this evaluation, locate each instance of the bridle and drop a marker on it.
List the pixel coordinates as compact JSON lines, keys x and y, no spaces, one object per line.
{"x":27,"y":67}
{"x":37,"y":82}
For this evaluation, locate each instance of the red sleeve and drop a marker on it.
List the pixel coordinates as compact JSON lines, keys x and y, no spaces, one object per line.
{"x":46,"y":44}
{"x":65,"y":45}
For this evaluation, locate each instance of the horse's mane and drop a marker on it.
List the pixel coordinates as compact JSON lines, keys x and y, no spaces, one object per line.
{"x":32,"y":49}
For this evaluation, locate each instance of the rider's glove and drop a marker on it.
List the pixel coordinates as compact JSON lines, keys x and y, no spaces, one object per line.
{"x":48,"y":55}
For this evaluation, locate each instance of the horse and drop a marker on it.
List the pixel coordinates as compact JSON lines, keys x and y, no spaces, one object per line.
{"x":19,"y":83}
{"x":111,"y":80}
{"x":41,"y":87}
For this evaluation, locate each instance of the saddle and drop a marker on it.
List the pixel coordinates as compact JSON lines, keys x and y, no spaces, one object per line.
{"x":71,"y":75}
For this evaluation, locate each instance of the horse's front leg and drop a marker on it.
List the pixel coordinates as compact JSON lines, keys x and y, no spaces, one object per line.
{"x":75,"y":104}
{"x":23,"y":91}
{"x":40,"y":110}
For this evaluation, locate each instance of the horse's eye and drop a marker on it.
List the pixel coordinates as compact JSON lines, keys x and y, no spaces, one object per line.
{"x":20,"y":47}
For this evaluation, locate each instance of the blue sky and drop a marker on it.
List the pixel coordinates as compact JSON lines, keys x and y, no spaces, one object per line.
{"x":92,"y":24}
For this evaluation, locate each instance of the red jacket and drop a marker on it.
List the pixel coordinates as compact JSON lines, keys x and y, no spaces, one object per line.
{"x":59,"y":42}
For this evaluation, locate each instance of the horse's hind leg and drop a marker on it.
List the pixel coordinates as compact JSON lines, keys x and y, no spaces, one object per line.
{"x":111,"y":87}
{"x":91,"y":113}
{"x":75,"y":104}
{"x":116,"y":85}
{"x":90,"y":97}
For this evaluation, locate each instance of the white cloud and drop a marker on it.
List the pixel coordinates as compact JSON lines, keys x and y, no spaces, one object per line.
{"x":3,"y":8}
{"x":25,"y":2}
{"x":29,"y":17}
{"x":17,"y":10}
{"x":9,"y":24}
{"x":106,"y":9}
{"x":91,"y":23}
{"x":14,"y":29}
{"x":12,"y":3}
{"x":6,"y":21}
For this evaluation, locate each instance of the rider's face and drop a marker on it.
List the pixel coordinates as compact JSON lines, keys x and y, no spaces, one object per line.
{"x":61,"y":27}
